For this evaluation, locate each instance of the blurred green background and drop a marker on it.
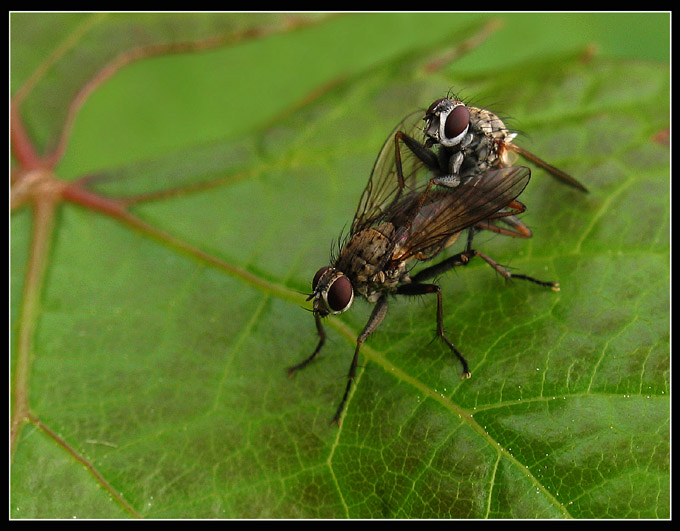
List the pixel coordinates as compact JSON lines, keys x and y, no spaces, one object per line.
{"x":229,"y":91}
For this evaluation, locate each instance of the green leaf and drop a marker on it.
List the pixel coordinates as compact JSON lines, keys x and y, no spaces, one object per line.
{"x":156,"y":304}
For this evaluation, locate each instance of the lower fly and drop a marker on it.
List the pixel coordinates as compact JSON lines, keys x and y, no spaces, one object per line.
{"x":386,"y":236}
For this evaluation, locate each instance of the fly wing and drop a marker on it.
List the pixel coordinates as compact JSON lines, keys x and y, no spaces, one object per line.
{"x":445,"y":213}
{"x":383,"y":189}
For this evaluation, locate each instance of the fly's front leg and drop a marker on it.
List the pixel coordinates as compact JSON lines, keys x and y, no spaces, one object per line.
{"x":426,"y":155}
{"x":429,"y":158}
{"x":322,"y":339}
{"x":452,"y":178}
{"x":374,"y":321}
{"x":424,"y":289}
{"x":451,"y":164}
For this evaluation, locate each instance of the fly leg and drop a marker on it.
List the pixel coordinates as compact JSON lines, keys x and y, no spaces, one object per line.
{"x":442,"y":267}
{"x":322,"y":339}
{"x":429,"y":159}
{"x":509,"y":217}
{"x":517,"y":229}
{"x":555,"y":286}
{"x":451,"y":177}
{"x":421,"y":151}
{"x":555,"y":172}
{"x":423,"y":289}
{"x":464,"y":258}
{"x":374,"y":321}
{"x":426,"y":155}
{"x":444,"y":166}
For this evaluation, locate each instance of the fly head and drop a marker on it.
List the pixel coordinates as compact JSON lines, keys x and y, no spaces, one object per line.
{"x":446,"y":122}
{"x":332,"y":292}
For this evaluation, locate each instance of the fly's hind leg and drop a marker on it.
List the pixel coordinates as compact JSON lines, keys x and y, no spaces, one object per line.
{"x":442,"y":267}
{"x":555,"y":286}
{"x":464,"y":258}
{"x":423,"y":289}
{"x":514,"y":226}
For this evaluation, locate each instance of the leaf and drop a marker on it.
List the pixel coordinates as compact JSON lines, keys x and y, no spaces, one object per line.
{"x":156,"y":302}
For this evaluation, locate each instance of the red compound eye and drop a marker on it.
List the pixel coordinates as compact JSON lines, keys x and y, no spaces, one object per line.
{"x":432,"y":107}
{"x":457,"y":121}
{"x":318,"y":276}
{"x":339,"y":294}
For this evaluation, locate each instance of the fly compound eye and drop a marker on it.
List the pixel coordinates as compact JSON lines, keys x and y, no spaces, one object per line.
{"x":431,"y":108}
{"x":457,"y":122}
{"x":340,"y":294}
{"x":317,"y":277}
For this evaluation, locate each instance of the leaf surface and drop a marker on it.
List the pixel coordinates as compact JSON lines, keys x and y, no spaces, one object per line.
{"x":152,"y":326}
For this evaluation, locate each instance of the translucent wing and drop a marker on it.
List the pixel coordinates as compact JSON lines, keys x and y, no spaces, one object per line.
{"x":446,"y":212}
{"x":383,"y":187}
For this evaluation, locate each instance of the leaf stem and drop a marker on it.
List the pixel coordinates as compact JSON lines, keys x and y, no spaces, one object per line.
{"x":44,"y":209}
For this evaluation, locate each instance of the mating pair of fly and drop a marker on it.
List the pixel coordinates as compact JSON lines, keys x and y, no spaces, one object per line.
{"x":437,"y":175}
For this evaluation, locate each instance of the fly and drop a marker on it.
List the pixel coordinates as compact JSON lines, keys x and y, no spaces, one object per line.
{"x":458,"y":140}
{"x":416,"y":204}
{"x":395,"y":225}
{"x":471,"y":140}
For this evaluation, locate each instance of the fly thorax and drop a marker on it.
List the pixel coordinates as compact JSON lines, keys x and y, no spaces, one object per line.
{"x":488,"y":123}
{"x":364,"y":258}
{"x":490,"y":135}
{"x":389,"y":278}
{"x":385,"y":280}
{"x":362,"y":255}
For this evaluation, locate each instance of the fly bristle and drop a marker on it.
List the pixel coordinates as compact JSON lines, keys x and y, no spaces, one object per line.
{"x":338,"y":245}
